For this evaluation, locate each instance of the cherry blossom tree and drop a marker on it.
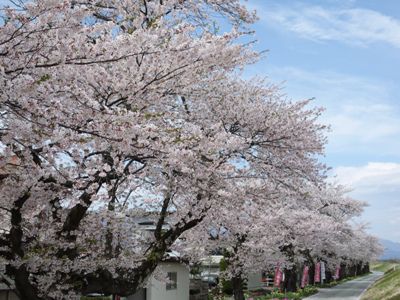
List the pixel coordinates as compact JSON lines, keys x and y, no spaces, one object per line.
{"x":291,"y":228}
{"x":115,"y":110}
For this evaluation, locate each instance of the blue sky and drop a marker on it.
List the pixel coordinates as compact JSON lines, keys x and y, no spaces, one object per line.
{"x":346,"y":54}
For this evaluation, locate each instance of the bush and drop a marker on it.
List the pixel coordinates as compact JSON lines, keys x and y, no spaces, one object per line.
{"x":259,"y":292}
{"x":307,"y":291}
{"x":226,"y":284}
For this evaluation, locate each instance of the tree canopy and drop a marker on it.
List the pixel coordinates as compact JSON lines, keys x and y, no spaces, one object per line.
{"x":114,"y":110}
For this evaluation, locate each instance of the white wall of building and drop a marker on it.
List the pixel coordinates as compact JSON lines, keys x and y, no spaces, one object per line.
{"x":157,"y":290}
{"x":254,"y":281}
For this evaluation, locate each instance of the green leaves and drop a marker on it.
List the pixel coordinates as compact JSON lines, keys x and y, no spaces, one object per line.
{"x":44,"y":78}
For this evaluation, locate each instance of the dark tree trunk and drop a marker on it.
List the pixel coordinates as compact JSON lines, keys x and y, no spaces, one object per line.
{"x":366,"y":268}
{"x":312,"y":273}
{"x":342,"y":272}
{"x":360,"y":268}
{"x":237,"y":286}
{"x":290,"y":283}
{"x":329,"y":276}
{"x":24,"y":289}
{"x":353,"y":270}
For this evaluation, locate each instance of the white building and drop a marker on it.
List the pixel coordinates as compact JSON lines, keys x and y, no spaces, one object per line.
{"x":177,"y":287}
{"x":210,"y":268}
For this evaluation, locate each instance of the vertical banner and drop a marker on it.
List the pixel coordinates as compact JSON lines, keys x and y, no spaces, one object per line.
{"x":278,"y":276}
{"x":337,"y":273}
{"x":304,"y":279}
{"x":317,"y":275}
{"x":323,"y":273}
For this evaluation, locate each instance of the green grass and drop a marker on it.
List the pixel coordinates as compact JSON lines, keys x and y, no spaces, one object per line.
{"x":307,"y":291}
{"x":384,"y":265}
{"x":388,"y":287}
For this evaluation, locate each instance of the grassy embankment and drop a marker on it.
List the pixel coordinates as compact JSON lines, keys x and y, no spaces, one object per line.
{"x":388,"y":287}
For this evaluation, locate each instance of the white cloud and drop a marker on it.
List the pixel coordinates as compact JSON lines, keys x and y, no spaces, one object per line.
{"x":365,"y":123}
{"x":362,"y":115}
{"x":377,"y":183}
{"x":351,"y":25}
{"x":371,"y":178}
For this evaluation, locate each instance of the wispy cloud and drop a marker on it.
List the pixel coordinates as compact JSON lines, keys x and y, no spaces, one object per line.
{"x":377,"y":183}
{"x":368,"y":124}
{"x":350,"y":25}
{"x":360,"y":110}
{"x":372,"y":177}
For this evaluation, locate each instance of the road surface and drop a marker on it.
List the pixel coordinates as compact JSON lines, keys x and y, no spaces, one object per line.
{"x":350,"y":290}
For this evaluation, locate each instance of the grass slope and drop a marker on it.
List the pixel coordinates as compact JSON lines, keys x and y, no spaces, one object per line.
{"x":384,"y":265}
{"x":388,"y":287}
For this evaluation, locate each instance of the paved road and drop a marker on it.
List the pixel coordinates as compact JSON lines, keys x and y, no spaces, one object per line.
{"x":350,"y":290}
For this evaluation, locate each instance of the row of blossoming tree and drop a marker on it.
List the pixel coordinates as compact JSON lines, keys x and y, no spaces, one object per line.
{"x":291,"y":238}
{"x":111,"y":110}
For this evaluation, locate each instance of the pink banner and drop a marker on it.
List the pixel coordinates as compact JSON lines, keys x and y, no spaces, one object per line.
{"x":337,"y":273}
{"x":304,"y":279}
{"x":278,"y":276}
{"x":317,"y":275}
